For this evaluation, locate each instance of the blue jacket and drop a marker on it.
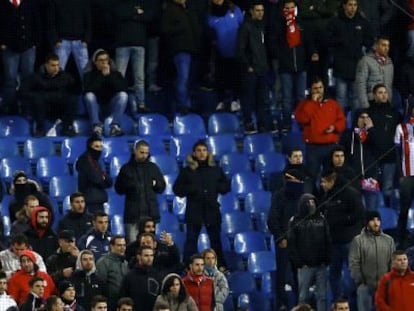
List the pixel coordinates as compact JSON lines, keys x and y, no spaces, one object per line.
{"x":96,"y":242}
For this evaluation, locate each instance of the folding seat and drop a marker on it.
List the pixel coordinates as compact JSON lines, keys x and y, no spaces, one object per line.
{"x":203,"y":242}
{"x":117,"y":224}
{"x":232,"y":223}
{"x":270,"y":163}
{"x":162,"y":203}
{"x":222,"y":144}
{"x":113,"y":146}
{"x":82,"y":127}
{"x":116,"y":163}
{"x":115,"y":204}
{"x":34,"y":148}
{"x":292,"y":140}
{"x":182,"y":146}
{"x":166,"y":163}
{"x":9,"y":147}
{"x":389,"y":218}
{"x":6,"y":228}
{"x":260,"y":262}
{"x":258,"y":202}
{"x":168,"y":222}
{"x":7,"y":198}
{"x":66,"y":205}
{"x":241,"y":282}
{"x":191,"y":124}
{"x":72,"y":148}
{"x":12,"y":164}
{"x":154,"y":124}
{"x":254,"y":301}
{"x":61,"y":186}
{"x":14,"y":126}
{"x":248,"y":242}
{"x":50,"y":166}
{"x":235,"y":162}
{"x":224,"y":123}
{"x":168,"y":192}
{"x":258,"y":143}
{"x":228,"y":203}
{"x":244,"y":182}
{"x":126,"y":124}
{"x":179,"y":207}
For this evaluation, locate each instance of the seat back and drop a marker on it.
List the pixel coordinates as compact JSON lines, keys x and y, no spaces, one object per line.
{"x":248,"y":242}
{"x":182,"y":146}
{"x":259,"y":262}
{"x":270,"y":163}
{"x":50,"y":166}
{"x":167,"y":164}
{"x":258,"y":143}
{"x":244,"y":182}
{"x":61,"y":186}
{"x":219,"y":145}
{"x":224,"y":123}
{"x":14,"y":126}
{"x":232,"y":223}
{"x":228,"y":203}
{"x":113,"y":146}
{"x":116,"y":163}
{"x":154,"y":124}
{"x":191,"y":124}
{"x":12,"y":164}
{"x":235,"y":162}
{"x":257,"y":202}
{"x":9,"y":147}
{"x":72,"y":148}
{"x":34,"y":148}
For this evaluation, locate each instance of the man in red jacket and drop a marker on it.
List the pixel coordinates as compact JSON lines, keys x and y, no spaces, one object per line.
{"x":396,"y":288}
{"x":322,"y":121}
{"x":198,"y":285}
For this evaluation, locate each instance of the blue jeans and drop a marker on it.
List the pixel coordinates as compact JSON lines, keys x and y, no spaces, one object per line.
{"x":307,"y":276}
{"x":80,"y":54}
{"x":116,"y":107}
{"x":137,"y":56}
{"x":152,"y":59}
{"x":346,"y":93}
{"x":365,"y":294}
{"x":182,"y":62}
{"x":317,"y":155}
{"x":11,"y":62}
{"x":387,"y":178}
{"x":339,"y":257}
{"x":410,"y":43}
{"x":293,"y":91}
{"x":371,"y":199}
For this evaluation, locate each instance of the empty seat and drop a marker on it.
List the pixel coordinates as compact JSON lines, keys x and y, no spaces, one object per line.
{"x":179,"y":207}
{"x":162,"y":203}
{"x":50,"y":166}
{"x":292,"y":140}
{"x":219,"y":145}
{"x":12,"y":164}
{"x":232,"y":163}
{"x":156,"y":145}
{"x":115,"y":204}
{"x":116,"y":163}
{"x":154,"y":124}
{"x":257,"y":202}
{"x":389,"y":218}
{"x":117,"y":225}
{"x":113,"y":146}
{"x":168,"y":192}
{"x":248,"y":242}
{"x":191,"y":124}
{"x":166,"y":163}
{"x":270,"y":163}
{"x":168,"y":222}
{"x":82,"y":127}
{"x":61,"y":186}
{"x":244,"y":182}
{"x":72,"y":148}
{"x":34,"y":148}
{"x":224,"y":123}
{"x":258,"y":143}
{"x":241,"y":282}
{"x":9,"y":147}
{"x":259,"y":262}
{"x":14,"y":126}
{"x":182,"y":146}
{"x":203,"y":242}
{"x":228,"y":202}
{"x":232,"y":223}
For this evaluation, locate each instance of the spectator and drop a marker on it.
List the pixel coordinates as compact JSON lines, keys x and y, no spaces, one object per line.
{"x":99,"y":303}
{"x":86,"y":281}
{"x":173,"y":294}
{"x":77,"y":218}
{"x":104,"y":93}
{"x":378,"y":13}
{"x":41,"y":236}
{"x":18,"y":284}
{"x":309,"y":227}
{"x":125,"y":304}
{"x":340,"y":166}
{"x":48,"y":89}
{"x":200,"y":181}
{"x":373,"y":68}
{"x":5,"y":300}
{"x":35,"y":300}
{"x":145,"y":225}
{"x":54,"y":303}
{"x":221,"y":286}
{"x":10,"y":258}
{"x":341,"y":304}
{"x":62,"y":264}
{"x":199,"y":286}
{"x":97,"y":239}
{"x":24,"y":216}
{"x":140,"y":180}
{"x":111,"y":269}
{"x":67,"y":292}
{"x":369,"y":259}
{"x":182,"y":31}
{"x":395,"y":289}
{"x":92,"y":177}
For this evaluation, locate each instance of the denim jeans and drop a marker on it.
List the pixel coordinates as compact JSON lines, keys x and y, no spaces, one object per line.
{"x":308,"y":276}
{"x":152,"y":53}
{"x":11,"y":63}
{"x":316,"y":156}
{"x":371,"y":200}
{"x":339,"y":257}
{"x":137,"y":56}
{"x":80,"y":54}
{"x":410,"y":43}
{"x":387,"y":178}
{"x":293,"y":91}
{"x":116,"y":107}
{"x":365,"y":296}
{"x":346,"y":93}
{"x":182,"y":62}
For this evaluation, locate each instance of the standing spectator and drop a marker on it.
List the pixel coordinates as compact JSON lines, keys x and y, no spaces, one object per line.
{"x":139,"y":180}
{"x":5,"y":300}
{"x":68,"y":294}
{"x":182,"y":31}
{"x":339,"y":164}
{"x":224,"y":20}
{"x":251,"y":53}
{"x":105,"y":93}
{"x":174,"y":294}
{"x":35,"y":300}
{"x":378,"y":13}
{"x":101,"y":26}
{"x":112,"y":268}
{"x":385,"y":119}
{"x":323,"y":121}
{"x":373,"y":68}
{"x":19,"y":36}
{"x":70,"y":30}
{"x":369,"y":259}
{"x":97,"y":239}
{"x":93,"y":180}
{"x":395,"y":290}
{"x":200,"y":181}
{"x":309,"y":249}
{"x":221,"y":286}
{"x":50,"y":94}
{"x":199,"y":286}
{"x":77,"y":218}
{"x":348,"y":34}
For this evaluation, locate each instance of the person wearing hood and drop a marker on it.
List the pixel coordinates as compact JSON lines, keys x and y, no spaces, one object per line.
{"x":339,"y":164}
{"x":35,"y":301}
{"x":343,"y":209}
{"x":369,"y":259}
{"x":142,"y":283}
{"x":41,"y":236}
{"x":309,"y":249}
{"x":68,"y":294}
{"x":18,"y":284}
{"x":140,"y":181}
{"x":105,"y":92}
{"x":201,"y":181}
{"x":86,"y":281}
{"x":50,"y":92}
{"x":174,"y":294}
{"x":93,"y":180}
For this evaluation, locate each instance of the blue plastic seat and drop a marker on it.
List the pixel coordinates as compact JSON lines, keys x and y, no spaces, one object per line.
{"x":82,"y":127}
{"x":5,"y":202}
{"x":115,"y":204}
{"x":66,"y":205}
{"x":389,"y":218}
{"x":157,"y":146}
{"x":162,"y":203}
{"x":292,"y":140}
{"x":203,"y":242}
{"x":182,"y":146}
{"x":258,"y":143}
{"x":219,"y":145}
{"x":14,"y":126}
{"x":115,"y":146}
{"x":11,"y":164}
{"x":179,"y":207}
{"x":224,"y":123}
{"x":61,"y":186}
{"x":241,"y":282}
{"x":126,"y":124}
{"x":191,"y":124}
{"x":233,"y":163}
{"x":6,"y":227}
{"x":259,"y":262}
{"x":154,"y":124}
{"x":116,"y":163}
{"x":257,"y":202}
{"x":235,"y":222}
{"x":34,"y":148}
{"x":254,"y":301}
{"x":228,"y":203}
{"x":117,"y":225}
{"x":72,"y":148}
{"x":9,"y":147}
{"x":166,"y":163}
{"x":270,"y":163}
{"x":50,"y":166}
{"x":168,"y":223}
{"x":244,"y":182}
{"x":179,"y":238}
{"x":248,"y":242}
{"x":168,"y":192}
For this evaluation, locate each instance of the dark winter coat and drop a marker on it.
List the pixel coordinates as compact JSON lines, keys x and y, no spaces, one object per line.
{"x":79,"y":223}
{"x":96,"y":242}
{"x":59,"y":261}
{"x":87,"y":286}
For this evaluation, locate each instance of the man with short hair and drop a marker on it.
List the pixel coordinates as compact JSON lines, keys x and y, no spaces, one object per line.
{"x":68,"y":294}
{"x":140,"y":181}
{"x":341,"y":304}
{"x":99,"y":303}
{"x":77,"y":219}
{"x":125,"y":304}
{"x":24,"y":216}
{"x":35,"y":300}
{"x":198,"y":285}
{"x":395,"y":289}
{"x":340,"y":166}
{"x":5,"y":300}
{"x":97,"y":238}
{"x":369,"y":259}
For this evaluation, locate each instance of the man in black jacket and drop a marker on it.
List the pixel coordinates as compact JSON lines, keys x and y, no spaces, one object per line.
{"x":200,"y":182}
{"x":140,"y":180}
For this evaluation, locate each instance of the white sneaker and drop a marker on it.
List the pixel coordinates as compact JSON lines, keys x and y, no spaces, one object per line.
{"x":220,"y":106}
{"x":235,"y":106}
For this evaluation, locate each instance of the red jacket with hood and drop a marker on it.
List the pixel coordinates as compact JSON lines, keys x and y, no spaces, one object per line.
{"x":202,"y":291}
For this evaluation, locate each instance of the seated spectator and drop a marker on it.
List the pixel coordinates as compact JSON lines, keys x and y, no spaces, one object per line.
{"x":341,"y":304}
{"x":337,"y":162}
{"x":125,"y":304}
{"x":54,"y":303}
{"x":99,"y":303}
{"x":48,"y":89}
{"x":98,"y":237}
{"x":5,"y":300}
{"x":77,"y":218}
{"x":68,"y":294}
{"x":35,"y":300}
{"x":10,"y":258}
{"x":145,"y":225}
{"x":24,"y":216}
{"x":105,"y":92}
{"x":18,"y":284}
